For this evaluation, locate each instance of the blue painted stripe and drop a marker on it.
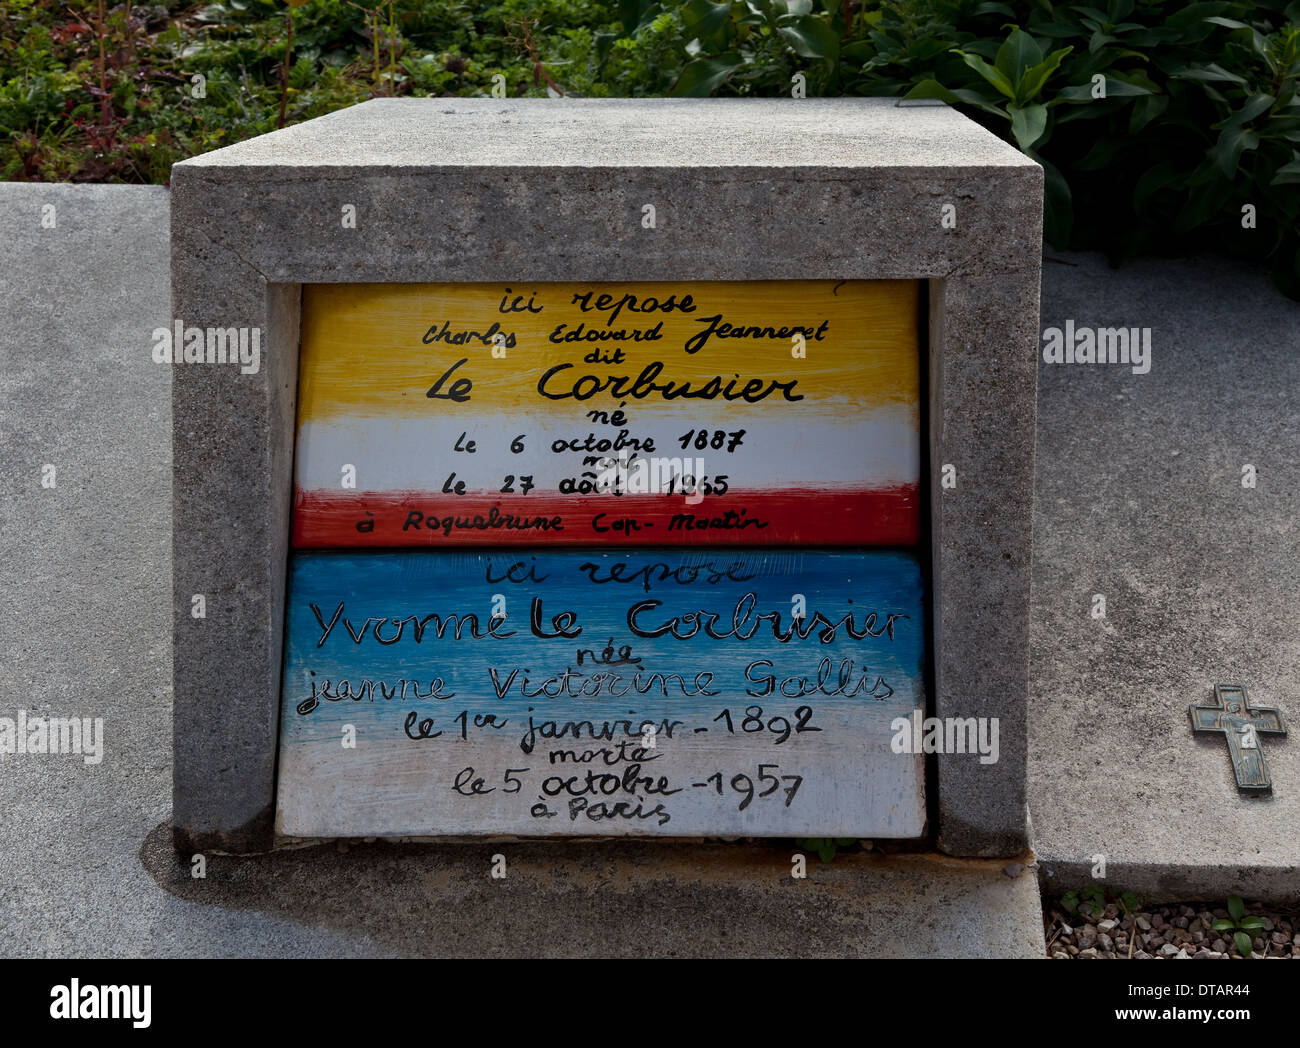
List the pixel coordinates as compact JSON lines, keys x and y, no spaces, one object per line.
{"x":359,"y":617}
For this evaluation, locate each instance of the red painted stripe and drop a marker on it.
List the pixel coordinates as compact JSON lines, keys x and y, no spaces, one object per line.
{"x":884,"y":517}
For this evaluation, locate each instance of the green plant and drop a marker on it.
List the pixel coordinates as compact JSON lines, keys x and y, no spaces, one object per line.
{"x":67,"y":115}
{"x":1160,"y":127}
{"x":1152,"y":123}
{"x":290,"y":5}
{"x":1240,"y":925}
{"x":1093,"y":899}
{"x":1013,"y":88}
{"x":825,"y":847}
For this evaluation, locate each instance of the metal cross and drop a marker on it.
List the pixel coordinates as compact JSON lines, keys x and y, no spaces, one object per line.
{"x":1232,"y":714}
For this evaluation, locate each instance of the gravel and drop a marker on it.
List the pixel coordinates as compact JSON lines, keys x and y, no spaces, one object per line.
{"x":1176,"y":931}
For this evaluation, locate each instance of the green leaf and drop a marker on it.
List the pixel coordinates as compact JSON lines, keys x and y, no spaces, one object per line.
{"x":1251,"y":924}
{"x":931,"y":89}
{"x":1018,"y":52}
{"x":1056,"y":29}
{"x":1117,"y":88}
{"x":1058,"y":210}
{"x":990,"y":74}
{"x":630,"y":12}
{"x":1222,"y":926}
{"x":1236,"y":908}
{"x":810,"y":36}
{"x":1210,"y":72}
{"x":1257,"y":104}
{"x":1036,"y":76}
{"x":1070,"y":901}
{"x":1229,"y":22}
{"x":1145,"y":110}
{"x":1233,"y":141}
{"x":956,"y":96}
{"x":1098,"y":41}
{"x":1092,"y":12}
{"x":702,"y":18}
{"x":1028,"y":124}
{"x":701,"y":78}
{"x":1201,"y":204}
{"x":1244,"y":945}
{"x":1286,"y":173}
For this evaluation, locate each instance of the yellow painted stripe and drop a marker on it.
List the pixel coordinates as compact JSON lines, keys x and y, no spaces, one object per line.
{"x":363,"y":348}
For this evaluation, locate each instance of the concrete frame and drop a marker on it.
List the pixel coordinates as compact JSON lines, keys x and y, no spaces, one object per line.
{"x":486,"y":190}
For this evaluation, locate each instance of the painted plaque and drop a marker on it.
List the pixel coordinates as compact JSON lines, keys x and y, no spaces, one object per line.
{"x":565,"y":692}
{"x":741,"y":413}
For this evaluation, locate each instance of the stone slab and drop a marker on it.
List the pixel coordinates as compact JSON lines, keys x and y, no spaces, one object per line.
{"x":441,"y":193}
{"x":627,"y":132}
{"x":1140,"y":499}
{"x":87,"y":863}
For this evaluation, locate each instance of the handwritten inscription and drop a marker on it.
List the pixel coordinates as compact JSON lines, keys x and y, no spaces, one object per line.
{"x":753,"y":413}
{"x":590,"y":693}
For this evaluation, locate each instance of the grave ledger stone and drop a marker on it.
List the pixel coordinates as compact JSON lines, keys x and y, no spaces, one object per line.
{"x":765,"y":368}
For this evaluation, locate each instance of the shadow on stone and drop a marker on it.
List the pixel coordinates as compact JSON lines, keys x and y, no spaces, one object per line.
{"x":620,"y":899}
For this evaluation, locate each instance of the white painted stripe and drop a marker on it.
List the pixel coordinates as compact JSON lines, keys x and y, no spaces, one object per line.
{"x":877,"y":449}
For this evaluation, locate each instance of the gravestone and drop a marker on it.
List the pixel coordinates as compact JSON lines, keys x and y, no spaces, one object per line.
{"x":640,"y":467}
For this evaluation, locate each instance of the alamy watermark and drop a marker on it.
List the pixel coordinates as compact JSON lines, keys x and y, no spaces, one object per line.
{"x":918,"y":734}
{"x":1086,"y":345}
{"x":179,"y":344}
{"x":656,"y":475}
{"x":75,"y":1001}
{"x":25,"y":734}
